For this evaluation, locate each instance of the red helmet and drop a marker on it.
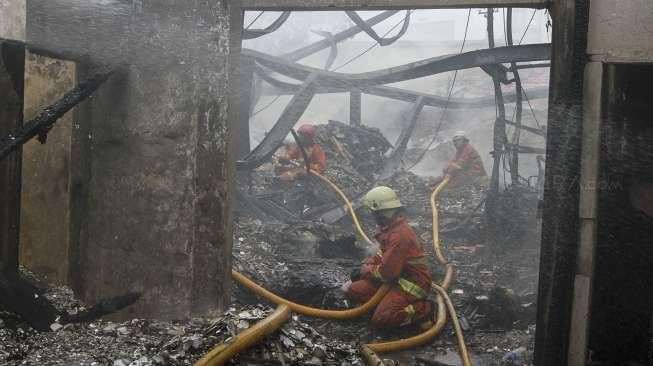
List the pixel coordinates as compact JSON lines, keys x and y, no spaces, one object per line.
{"x":307,"y":129}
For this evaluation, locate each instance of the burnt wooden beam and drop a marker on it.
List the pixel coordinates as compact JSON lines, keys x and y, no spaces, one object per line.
{"x":25,"y":298}
{"x":256,"y":33}
{"x":285,"y":88}
{"x":388,"y":4}
{"x":537,"y":131}
{"x":41,"y":124}
{"x":533,"y":66}
{"x":413,"y":70}
{"x":12,"y":70}
{"x":338,"y":37}
{"x":289,"y":117}
{"x":372,"y":33}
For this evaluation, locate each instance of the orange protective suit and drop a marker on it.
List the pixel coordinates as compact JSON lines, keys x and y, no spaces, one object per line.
{"x":401,"y":262}
{"x":466,"y":167}
{"x":317,"y":158}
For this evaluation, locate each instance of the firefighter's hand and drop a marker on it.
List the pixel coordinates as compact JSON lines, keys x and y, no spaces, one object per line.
{"x":366,"y":271}
{"x":345,"y":286}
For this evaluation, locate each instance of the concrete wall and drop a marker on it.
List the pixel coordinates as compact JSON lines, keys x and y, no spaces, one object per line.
{"x":12,"y":19}
{"x":45,"y":211}
{"x":621,"y":31}
{"x":157,"y":214}
{"x":151,"y":205}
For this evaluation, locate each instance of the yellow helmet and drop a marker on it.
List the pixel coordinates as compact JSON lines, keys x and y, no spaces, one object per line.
{"x":381,"y":198}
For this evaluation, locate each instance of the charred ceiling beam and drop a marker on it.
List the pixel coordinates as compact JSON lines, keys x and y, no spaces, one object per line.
{"x":388,"y":4}
{"x":497,"y":71}
{"x":537,"y":131}
{"x":255,"y":33}
{"x":289,"y":117}
{"x":370,"y":32}
{"x":333,"y":49}
{"x":41,"y":124}
{"x":414,"y":70}
{"x":285,"y":88}
{"x":338,"y":37}
{"x":315,"y":79}
{"x":533,"y":66}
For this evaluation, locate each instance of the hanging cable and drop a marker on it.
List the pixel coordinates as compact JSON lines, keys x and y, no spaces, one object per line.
{"x":266,"y":106}
{"x":369,"y":48}
{"x":527,"y":27}
{"x":446,"y":105}
{"x":531,"y":108}
{"x":255,"y":19}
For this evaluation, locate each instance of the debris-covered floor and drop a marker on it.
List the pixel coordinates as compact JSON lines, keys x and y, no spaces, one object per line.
{"x":303,"y":249}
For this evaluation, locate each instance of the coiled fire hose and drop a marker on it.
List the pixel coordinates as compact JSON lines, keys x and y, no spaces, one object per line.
{"x":223,"y":352}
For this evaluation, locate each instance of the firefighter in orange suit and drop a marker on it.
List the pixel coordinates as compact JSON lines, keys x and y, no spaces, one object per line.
{"x":400,"y":262}
{"x":290,"y":172}
{"x":467,"y":166}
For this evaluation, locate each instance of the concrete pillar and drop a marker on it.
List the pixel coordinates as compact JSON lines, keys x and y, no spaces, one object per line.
{"x":588,"y":211}
{"x":45,"y":212}
{"x":153,"y":193}
{"x":12,"y":56}
{"x":158,"y":214}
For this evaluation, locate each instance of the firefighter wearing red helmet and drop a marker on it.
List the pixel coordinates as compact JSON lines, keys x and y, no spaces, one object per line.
{"x":293,"y":165}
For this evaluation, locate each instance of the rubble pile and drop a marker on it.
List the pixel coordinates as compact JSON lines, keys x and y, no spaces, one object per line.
{"x":148,"y":342}
{"x":307,"y":261}
{"x":357,"y":149}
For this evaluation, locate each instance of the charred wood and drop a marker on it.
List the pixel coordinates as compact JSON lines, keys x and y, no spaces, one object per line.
{"x":41,"y":124}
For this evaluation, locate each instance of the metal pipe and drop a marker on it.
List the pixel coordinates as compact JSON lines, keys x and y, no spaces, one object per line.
{"x":221,"y":354}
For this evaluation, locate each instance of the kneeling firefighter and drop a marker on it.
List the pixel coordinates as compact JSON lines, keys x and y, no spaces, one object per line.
{"x":401,"y":262}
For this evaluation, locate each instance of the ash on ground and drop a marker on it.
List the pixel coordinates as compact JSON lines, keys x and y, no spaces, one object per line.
{"x":297,"y":241}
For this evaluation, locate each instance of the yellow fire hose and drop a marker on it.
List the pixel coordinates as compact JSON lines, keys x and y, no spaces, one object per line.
{"x":370,"y":357}
{"x":436,"y":220}
{"x":224,"y":352}
{"x":352,"y":213}
{"x":310,"y":311}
